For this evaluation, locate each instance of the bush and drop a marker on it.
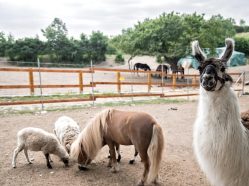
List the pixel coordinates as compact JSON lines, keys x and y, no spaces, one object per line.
{"x":159,"y":59}
{"x":119,"y":58}
{"x":242,"y":45}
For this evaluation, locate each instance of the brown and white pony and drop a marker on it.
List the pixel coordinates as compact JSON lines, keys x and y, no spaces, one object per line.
{"x":111,"y":127}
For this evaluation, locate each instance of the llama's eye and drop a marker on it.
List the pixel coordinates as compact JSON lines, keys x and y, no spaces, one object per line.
{"x":222,"y":69}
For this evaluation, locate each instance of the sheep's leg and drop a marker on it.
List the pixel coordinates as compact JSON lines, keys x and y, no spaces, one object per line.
{"x":26,"y":155}
{"x":135,"y":155}
{"x":48,"y":163}
{"x":16,"y":151}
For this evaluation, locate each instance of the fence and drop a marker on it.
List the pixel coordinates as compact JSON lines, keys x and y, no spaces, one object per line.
{"x":85,"y":79}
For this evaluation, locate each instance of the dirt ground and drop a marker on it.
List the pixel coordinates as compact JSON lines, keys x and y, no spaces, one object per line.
{"x":178,"y":167}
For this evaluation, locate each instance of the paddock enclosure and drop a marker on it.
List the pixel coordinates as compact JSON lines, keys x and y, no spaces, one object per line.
{"x":94,"y":83}
{"x":178,"y":168}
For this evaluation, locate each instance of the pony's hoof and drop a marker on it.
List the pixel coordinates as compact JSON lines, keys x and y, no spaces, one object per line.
{"x":119,"y":158}
{"x":49,"y":167}
{"x":82,"y":168}
{"x":14,"y":167}
{"x":131,"y":162}
{"x":109,"y":164}
{"x":114,"y":170}
{"x":30,"y":163}
{"x":141,"y":183}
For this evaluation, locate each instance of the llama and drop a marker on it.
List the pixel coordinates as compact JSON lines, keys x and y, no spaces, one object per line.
{"x":36,"y":139}
{"x":221,"y":142}
{"x":66,"y":130}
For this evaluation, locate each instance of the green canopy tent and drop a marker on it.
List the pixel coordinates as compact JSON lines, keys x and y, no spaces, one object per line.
{"x":237,"y":59}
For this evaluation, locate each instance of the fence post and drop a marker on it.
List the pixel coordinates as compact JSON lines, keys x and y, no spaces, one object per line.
{"x":149,"y":81}
{"x":31,"y":81}
{"x":81,"y":81}
{"x":174,"y":81}
{"x":243,"y":82}
{"x":194,"y":81}
{"x":118,"y":82}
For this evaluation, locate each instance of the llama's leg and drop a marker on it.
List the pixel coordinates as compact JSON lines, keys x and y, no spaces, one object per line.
{"x":135,"y":155}
{"x":113,"y":157}
{"x":26,"y":155}
{"x":16,"y":152}
{"x":47,"y":160}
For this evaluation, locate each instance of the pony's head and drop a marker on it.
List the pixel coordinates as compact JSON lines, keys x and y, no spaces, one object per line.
{"x":78,"y":153}
{"x":213,"y":74}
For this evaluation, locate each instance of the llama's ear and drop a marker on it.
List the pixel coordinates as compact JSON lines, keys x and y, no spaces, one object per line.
{"x":197,"y":52}
{"x":228,"y":51}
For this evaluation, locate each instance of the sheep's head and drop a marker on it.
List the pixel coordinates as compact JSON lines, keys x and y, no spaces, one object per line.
{"x":213,"y":74}
{"x":65,"y":160}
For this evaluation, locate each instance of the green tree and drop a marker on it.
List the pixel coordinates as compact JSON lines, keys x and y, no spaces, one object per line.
{"x":26,"y":49}
{"x":3,"y":43}
{"x":97,"y":46}
{"x":170,"y":35}
{"x":58,"y":44}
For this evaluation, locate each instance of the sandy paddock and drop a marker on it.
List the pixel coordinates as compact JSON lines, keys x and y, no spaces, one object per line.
{"x":178,"y":166}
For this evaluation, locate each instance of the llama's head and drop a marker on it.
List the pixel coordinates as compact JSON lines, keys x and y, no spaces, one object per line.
{"x":213,"y":74}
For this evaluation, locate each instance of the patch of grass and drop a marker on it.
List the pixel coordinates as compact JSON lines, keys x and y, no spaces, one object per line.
{"x":46,"y":97}
{"x":11,"y":111}
{"x":243,"y":34}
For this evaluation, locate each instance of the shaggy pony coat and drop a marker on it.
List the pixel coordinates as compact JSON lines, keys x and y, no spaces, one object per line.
{"x":126,"y":128}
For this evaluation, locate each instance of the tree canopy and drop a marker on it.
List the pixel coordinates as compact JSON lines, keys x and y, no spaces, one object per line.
{"x":167,"y":37}
{"x":170,"y":35}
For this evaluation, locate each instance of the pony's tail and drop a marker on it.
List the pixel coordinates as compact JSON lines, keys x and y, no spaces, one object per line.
{"x":75,"y":149}
{"x":155,"y":151}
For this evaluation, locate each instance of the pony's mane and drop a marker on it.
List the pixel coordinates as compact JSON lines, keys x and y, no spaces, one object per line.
{"x":91,"y":137}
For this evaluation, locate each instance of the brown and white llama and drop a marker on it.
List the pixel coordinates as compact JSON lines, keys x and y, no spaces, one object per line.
{"x":221,"y":142}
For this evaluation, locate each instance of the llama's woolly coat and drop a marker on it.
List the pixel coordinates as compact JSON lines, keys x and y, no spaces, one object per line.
{"x":221,"y":142}
{"x":67,"y":130}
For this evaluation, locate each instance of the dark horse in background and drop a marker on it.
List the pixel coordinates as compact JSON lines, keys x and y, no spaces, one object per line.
{"x":177,"y":69}
{"x":162,"y":68}
{"x":142,"y":66}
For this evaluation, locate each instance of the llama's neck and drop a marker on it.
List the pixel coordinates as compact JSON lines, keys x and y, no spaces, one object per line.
{"x":219,"y":107}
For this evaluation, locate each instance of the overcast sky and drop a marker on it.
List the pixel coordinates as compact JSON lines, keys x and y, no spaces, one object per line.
{"x":26,"y":18}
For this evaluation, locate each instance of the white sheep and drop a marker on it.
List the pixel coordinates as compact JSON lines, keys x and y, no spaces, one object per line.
{"x":36,"y":139}
{"x":66,"y":130}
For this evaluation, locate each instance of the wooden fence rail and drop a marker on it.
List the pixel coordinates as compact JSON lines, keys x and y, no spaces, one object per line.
{"x":118,"y":83}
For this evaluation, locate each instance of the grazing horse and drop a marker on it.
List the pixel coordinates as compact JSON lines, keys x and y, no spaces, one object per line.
{"x":142,"y":66}
{"x":112,"y":127}
{"x":161,"y":68}
{"x":177,"y":69}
